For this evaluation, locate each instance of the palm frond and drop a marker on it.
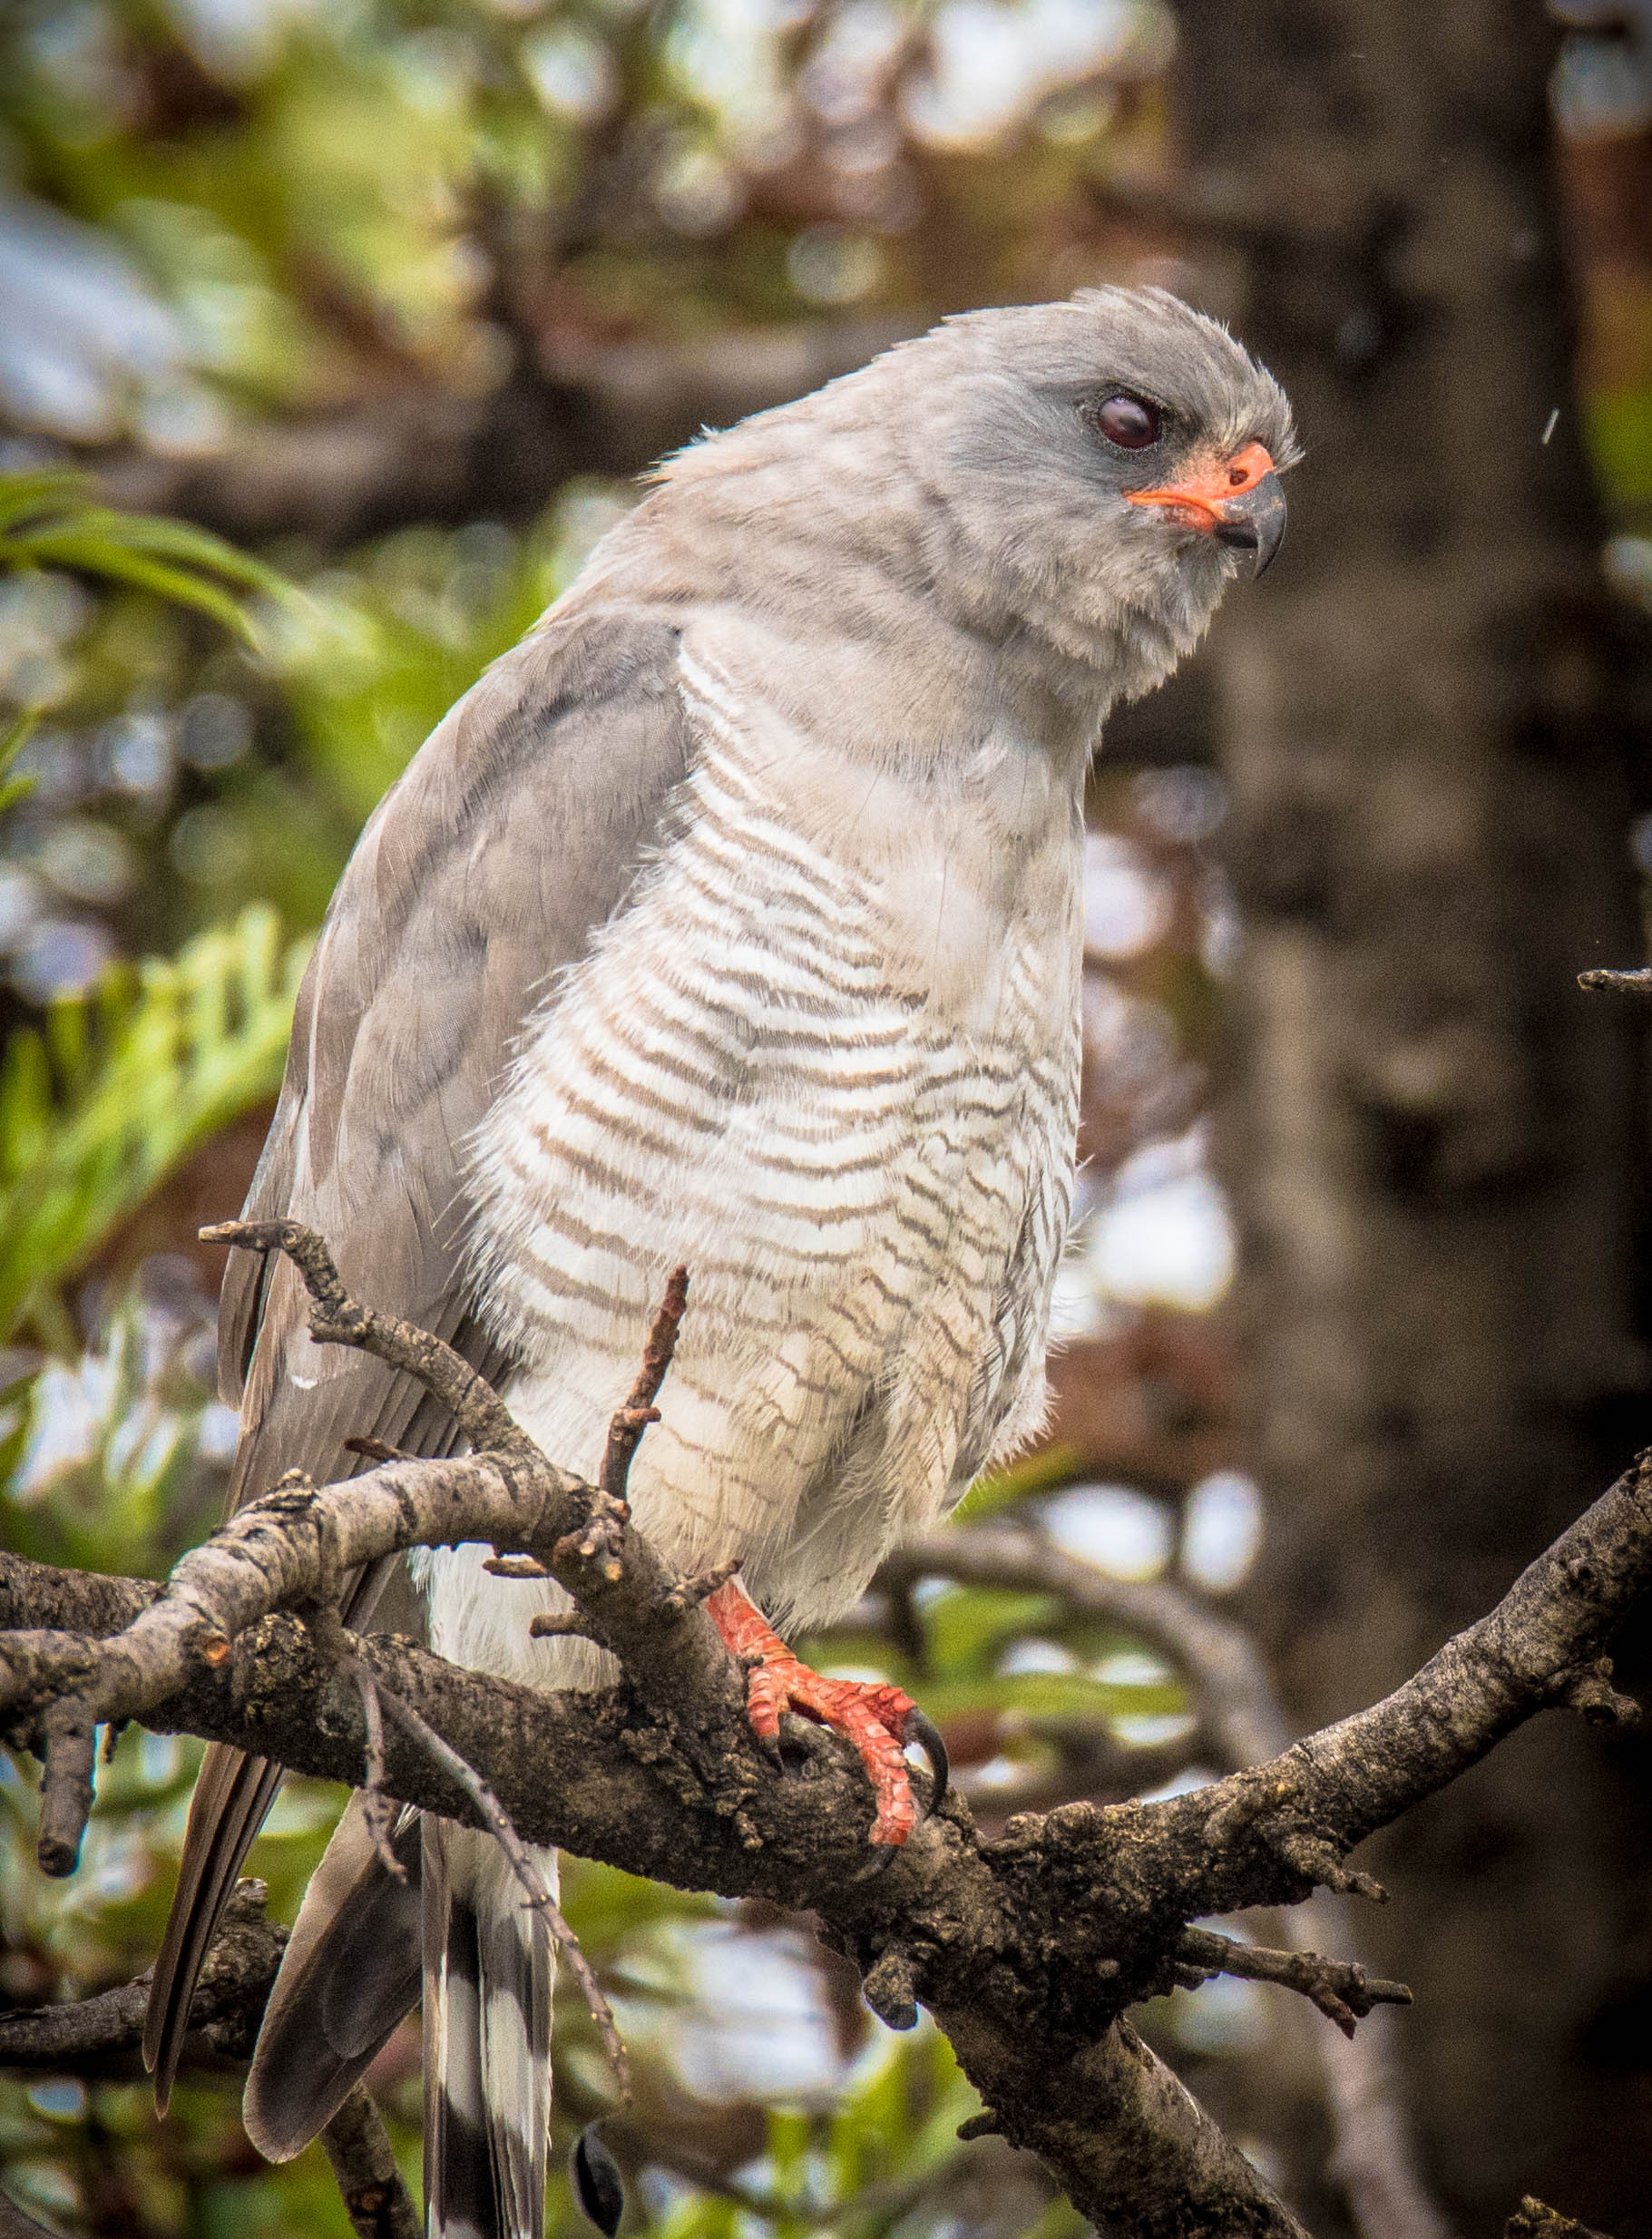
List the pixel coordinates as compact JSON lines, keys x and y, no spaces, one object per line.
{"x":120,"y":1084}
{"x":50,"y":518}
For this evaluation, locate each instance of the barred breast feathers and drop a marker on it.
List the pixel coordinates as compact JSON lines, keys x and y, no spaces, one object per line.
{"x":827,"y":1057}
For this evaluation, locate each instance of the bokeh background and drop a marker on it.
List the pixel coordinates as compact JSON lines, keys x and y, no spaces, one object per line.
{"x":332,"y":334}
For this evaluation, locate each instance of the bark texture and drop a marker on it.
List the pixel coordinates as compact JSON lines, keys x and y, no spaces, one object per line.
{"x":1431,"y":1134}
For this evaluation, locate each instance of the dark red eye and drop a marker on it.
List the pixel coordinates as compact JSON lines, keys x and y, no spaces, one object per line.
{"x":1128,"y":421}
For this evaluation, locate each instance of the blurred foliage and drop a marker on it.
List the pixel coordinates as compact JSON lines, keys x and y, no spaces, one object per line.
{"x":118,"y":1085}
{"x":329,"y":202}
{"x":49,"y":520}
{"x":378,"y":654}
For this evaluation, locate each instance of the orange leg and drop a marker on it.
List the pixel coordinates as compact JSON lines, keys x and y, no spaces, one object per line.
{"x":878,"y":1720}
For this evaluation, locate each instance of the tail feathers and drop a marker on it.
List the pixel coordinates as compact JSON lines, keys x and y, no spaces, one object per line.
{"x":489,"y":1967}
{"x":232,"y":1796}
{"x":349,"y":1973}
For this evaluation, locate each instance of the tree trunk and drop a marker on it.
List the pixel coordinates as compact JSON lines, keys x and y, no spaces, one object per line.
{"x":1433,"y":1136}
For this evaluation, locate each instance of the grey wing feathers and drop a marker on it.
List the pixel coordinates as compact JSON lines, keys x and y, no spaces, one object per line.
{"x":512,"y":836}
{"x":349,"y":1973}
{"x":508,"y":841}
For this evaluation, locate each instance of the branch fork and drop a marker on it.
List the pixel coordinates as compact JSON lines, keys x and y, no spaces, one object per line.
{"x":1026,"y":1949}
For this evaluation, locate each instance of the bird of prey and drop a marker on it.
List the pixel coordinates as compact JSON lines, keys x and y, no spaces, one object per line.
{"x":731,"y":921}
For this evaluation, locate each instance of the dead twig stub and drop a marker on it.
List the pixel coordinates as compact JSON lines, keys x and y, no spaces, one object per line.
{"x":629,"y":1421}
{"x":1341,"y":1988}
{"x":1634,"y":980}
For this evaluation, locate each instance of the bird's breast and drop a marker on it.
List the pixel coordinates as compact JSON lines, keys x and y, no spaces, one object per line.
{"x":825,"y":1058}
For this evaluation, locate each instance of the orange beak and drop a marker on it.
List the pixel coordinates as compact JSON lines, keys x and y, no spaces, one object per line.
{"x":1241,"y":503}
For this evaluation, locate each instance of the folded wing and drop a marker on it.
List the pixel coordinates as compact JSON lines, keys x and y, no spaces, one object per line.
{"x":510,"y":839}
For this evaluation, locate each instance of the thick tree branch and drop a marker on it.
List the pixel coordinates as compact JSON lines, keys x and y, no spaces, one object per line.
{"x":101,"y":2036}
{"x":1264,"y":1832}
{"x":1026,"y":1949}
{"x":1240,"y":1723}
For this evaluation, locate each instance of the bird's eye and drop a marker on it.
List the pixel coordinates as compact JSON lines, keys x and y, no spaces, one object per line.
{"x":1128,"y":421}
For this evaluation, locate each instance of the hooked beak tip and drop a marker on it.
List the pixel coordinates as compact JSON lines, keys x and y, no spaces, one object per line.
{"x":1254,"y":522}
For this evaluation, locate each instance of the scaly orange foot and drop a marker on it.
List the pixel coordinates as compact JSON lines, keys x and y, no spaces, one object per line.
{"x":878,"y":1720}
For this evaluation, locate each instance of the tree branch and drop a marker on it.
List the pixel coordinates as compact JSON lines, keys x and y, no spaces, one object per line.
{"x":1263,"y":1834}
{"x":1233,"y":1697}
{"x":101,"y":2036}
{"x":1027,"y":1950}
{"x":430,"y":456}
{"x":358,"y":2148}
{"x":1533,"y":2220}
{"x":1240,"y":1724}
{"x":1341,"y":1988}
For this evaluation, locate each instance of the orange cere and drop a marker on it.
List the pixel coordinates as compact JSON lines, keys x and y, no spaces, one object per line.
{"x":1202,"y":494}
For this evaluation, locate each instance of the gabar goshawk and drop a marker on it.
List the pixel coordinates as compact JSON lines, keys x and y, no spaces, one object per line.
{"x":731,"y":921}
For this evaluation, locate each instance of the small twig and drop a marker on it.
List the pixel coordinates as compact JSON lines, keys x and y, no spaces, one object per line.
{"x":1341,"y":1988}
{"x":700,"y":1588}
{"x":1590,"y":1693}
{"x":65,"y":1783}
{"x":1318,"y":1859}
{"x":357,"y":2146}
{"x":525,"y":1867}
{"x":376,"y":1450}
{"x":378,"y":1813}
{"x":336,"y":1318}
{"x":498,"y":1820}
{"x":1603,"y":980}
{"x":629,"y":1421}
{"x":559,"y":1625}
{"x":1251,"y":1799}
{"x":515,"y":1567}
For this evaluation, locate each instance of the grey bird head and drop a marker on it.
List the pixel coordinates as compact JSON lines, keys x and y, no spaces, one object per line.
{"x":1071,"y":484}
{"x":1111,"y":462}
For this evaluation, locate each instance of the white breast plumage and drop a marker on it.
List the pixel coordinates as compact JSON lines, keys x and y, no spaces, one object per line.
{"x":752,"y":1075}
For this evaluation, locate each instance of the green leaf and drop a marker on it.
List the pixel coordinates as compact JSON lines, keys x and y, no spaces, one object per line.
{"x":121,"y":1084}
{"x":12,"y":740}
{"x":49,"y":518}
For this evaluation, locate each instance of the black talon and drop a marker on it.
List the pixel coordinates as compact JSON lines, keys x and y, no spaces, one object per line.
{"x":926,"y":1734}
{"x":597,"y":2183}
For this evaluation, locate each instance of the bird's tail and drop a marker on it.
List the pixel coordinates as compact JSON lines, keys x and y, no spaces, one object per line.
{"x":489,"y":1969}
